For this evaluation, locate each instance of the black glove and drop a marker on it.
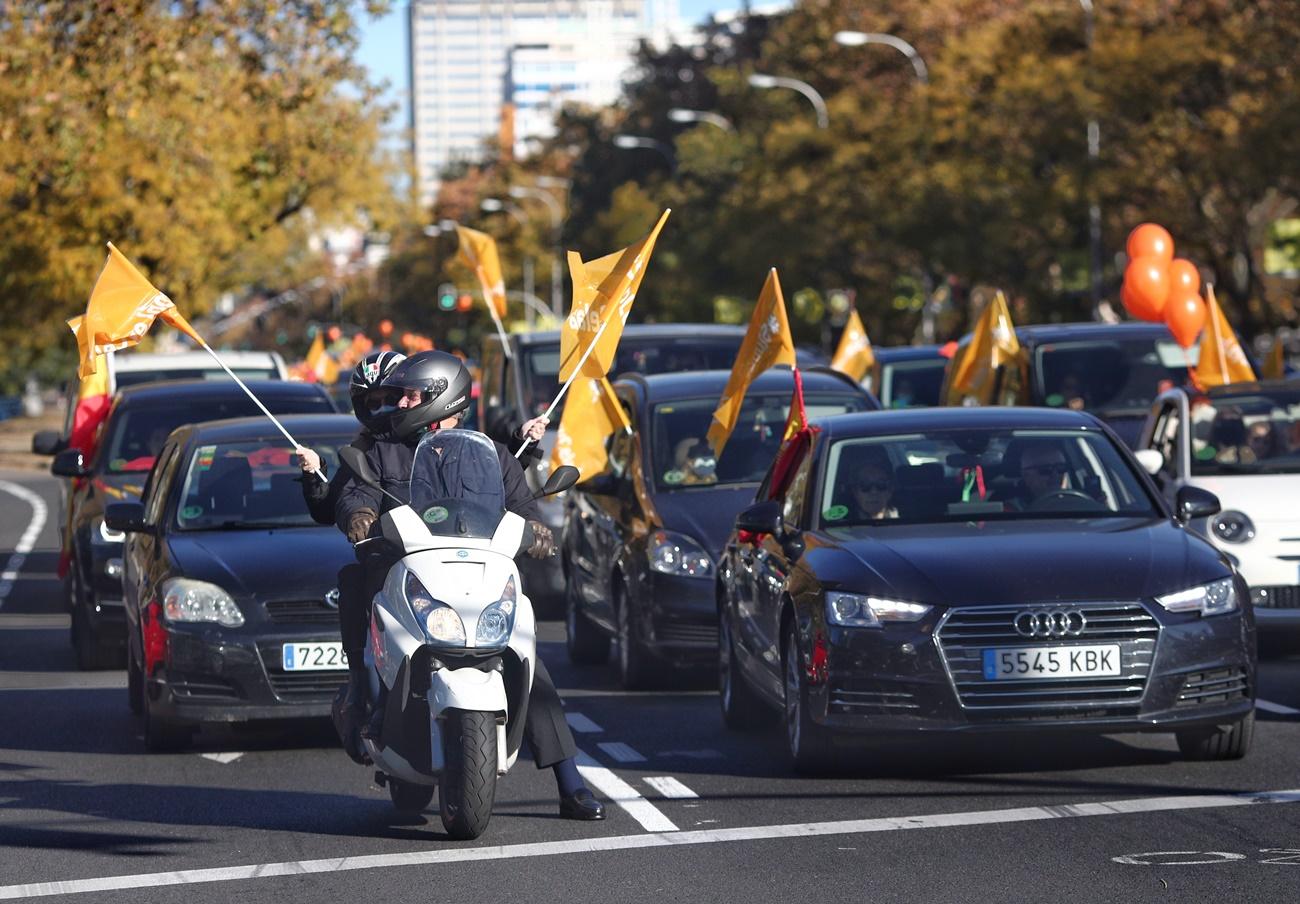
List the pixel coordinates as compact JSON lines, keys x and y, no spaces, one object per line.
{"x":359,"y":525}
{"x":543,"y":540}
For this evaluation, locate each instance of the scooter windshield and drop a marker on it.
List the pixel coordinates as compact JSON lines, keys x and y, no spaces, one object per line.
{"x":456,"y":484}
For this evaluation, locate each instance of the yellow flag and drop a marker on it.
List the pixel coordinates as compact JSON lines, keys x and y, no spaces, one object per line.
{"x":320,"y":363}
{"x":603,"y":292}
{"x":1222,"y":358}
{"x":1275,"y":366}
{"x":123,"y":305}
{"x":479,"y":252}
{"x":994,"y":345}
{"x":591,"y":415}
{"x":854,"y":356}
{"x":768,"y":341}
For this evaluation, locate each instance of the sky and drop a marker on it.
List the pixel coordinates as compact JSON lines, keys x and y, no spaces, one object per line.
{"x":383,"y":44}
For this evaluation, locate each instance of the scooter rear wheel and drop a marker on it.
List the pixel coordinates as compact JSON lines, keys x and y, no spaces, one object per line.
{"x":408,"y":798}
{"x":469,"y":779}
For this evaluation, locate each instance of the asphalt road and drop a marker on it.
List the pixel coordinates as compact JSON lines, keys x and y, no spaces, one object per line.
{"x":704,"y":815}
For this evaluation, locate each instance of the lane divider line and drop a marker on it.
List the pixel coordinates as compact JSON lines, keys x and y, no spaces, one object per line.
{"x":27,"y":541}
{"x":456,"y":854}
{"x":617,"y":750}
{"x":1277,"y":708}
{"x":620,"y":792}
{"x":579,"y":722}
{"x":222,"y":758}
{"x":670,"y":787}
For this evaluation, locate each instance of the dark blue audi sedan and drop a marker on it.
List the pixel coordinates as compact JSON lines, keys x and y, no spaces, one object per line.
{"x":960,"y":570}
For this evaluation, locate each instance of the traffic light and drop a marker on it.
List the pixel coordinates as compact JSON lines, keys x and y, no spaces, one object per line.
{"x":446,"y":297}
{"x":465,"y":303}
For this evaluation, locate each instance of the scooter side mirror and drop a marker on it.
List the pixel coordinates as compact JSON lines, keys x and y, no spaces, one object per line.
{"x":561,"y":479}
{"x":357,"y":464}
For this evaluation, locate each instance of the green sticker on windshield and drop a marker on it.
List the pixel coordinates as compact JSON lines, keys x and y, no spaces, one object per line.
{"x":435,"y":515}
{"x":1206,"y":453}
{"x":674,"y":477}
{"x":1055,"y":400}
{"x":204,"y":456}
{"x":117,"y":464}
{"x":836,"y":513}
{"x":191,"y":512}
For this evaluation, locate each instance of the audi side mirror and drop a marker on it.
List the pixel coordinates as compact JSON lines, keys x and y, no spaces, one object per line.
{"x":1193,"y":502}
{"x":127,"y":517}
{"x":759,"y":520}
{"x":69,"y":463}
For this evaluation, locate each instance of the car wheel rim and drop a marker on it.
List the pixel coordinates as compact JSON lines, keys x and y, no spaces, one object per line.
{"x":792,"y":698}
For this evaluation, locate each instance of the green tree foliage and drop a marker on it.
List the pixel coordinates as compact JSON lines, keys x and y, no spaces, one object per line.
{"x":206,"y":138}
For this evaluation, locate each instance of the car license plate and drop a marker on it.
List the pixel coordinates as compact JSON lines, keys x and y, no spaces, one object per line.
{"x":316,"y":656}
{"x":1030,"y":663}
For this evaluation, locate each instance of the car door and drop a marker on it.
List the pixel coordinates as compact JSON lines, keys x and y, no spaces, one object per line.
{"x":140,"y":560}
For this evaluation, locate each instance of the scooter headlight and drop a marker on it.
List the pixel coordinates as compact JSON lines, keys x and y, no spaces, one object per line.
{"x":498,"y":619}
{"x":441,"y":623}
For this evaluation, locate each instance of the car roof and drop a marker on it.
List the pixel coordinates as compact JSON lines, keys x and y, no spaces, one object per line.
{"x":888,"y":353}
{"x":164,"y":390}
{"x":883,"y":423}
{"x":253,"y":429}
{"x":690,"y":384}
{"x":1039,"y":333}
{"x":639,"y":331}
{"x":1256,"y":386}
{"x":124,"y":362}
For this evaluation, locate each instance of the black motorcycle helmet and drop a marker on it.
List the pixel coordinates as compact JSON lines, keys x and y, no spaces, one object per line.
{"x":444,"y":384}
{"x":369,"y":373}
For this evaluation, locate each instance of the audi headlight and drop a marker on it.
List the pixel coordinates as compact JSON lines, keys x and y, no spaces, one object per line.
{"x":185,"y":600}
{"x":441,"y":622}
{"x":1233,"y":527}
{"x":856,"y":610}
{"x":498,"y":619}
{"x":1214,"y":598}
{"x":674,"y":553}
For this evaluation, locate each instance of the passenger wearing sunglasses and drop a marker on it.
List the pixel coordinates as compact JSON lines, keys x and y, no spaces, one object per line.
{"x":1043,"y":470}
{"x":871,"y":490}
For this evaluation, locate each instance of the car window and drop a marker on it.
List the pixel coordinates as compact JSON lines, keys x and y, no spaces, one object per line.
{"x":792,"y":506}
{"x":155,"y":490}
{"x":137,"y":433}
{"x":977,"y":475}
{"x":911,"y":384}
{"x":1164,"y":439}
{"x":1254,"y":432}
{"x":248,"y":484}
{"x":1109,"y":374}
{"x":681,"y":457}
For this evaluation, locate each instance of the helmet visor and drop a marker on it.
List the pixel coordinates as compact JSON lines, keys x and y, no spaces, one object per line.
{"x":385,"y":400}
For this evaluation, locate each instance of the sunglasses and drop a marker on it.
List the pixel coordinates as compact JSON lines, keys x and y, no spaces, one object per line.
{"x":873,"y":486}
{"x":1050,"y":470}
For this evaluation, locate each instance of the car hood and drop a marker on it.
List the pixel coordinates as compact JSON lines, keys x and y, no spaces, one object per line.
{"x":1265,"y":498}
{"x":1019,"y":562}
{"x":264,"y":564}
{"x":705,"y":514}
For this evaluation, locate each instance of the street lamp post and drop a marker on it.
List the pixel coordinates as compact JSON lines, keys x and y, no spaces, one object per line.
{"x":678,"y":114}
{"x":862,"y":38}
{"x":1094,"y":207}
{"x":557,"y":224}
{"x":758,"y":80}
{"x":632,"y":142}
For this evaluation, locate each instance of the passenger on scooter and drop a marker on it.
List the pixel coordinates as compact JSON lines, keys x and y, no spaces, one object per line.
{"x":431,"y":391}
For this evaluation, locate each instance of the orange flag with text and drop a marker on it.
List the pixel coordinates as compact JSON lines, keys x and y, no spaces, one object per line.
{"x":591,"y":415}
{"x":1222,"y":359}
{"x":993,"y":346}
{"x":853,"y":356}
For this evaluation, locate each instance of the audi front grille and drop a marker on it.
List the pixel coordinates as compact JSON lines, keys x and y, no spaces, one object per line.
{"x":964,"y":633}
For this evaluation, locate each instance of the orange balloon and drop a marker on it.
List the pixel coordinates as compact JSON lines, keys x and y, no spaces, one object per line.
{"x":1146,"y":288}
{"x":1184,"y":277}
{"x":1152,"y":240}
{"x":1185,"y":314}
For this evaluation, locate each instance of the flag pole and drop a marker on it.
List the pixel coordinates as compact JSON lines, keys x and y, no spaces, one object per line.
{"x":496,"y":320}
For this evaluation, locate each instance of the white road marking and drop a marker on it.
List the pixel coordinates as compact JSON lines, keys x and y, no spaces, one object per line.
{"x":1155,"y":858}
{"x":670,"y":787}
{"x":223,"y":758}
{"x":579,"y":722}
{"x":1277,"y":708}
{"x":621,"y":752}
{"x":623,"y":794}
{"x":27,"y":541}
{"x":454,"y":854}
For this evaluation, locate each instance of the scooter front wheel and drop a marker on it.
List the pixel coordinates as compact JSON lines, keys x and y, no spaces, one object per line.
{"x":468,"y":784}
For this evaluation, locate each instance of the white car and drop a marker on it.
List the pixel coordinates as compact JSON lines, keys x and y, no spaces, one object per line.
{"x":1242,"y":443}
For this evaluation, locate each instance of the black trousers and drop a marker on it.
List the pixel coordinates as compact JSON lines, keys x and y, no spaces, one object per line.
{"x":545,"y":728}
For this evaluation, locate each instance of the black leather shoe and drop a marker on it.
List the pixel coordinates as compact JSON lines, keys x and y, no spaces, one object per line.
{"x":582,"y":805}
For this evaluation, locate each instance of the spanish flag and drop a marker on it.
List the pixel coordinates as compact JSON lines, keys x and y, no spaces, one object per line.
{"x":592,"y":414}
{"x":479,"y":252}
{"x":319,"y":363}
{"x":92,"y":407}
{"x":993,"y":346}
{"x":767,"y":342}
{"x":1222,"y":359}
{"x":123,"y":305}
{"x":603,"y":292}
{"x":853,"y":356}
{"x":797,"y":421}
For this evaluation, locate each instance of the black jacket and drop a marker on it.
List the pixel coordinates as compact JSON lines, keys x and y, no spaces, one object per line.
{"x":321,"y":496}
{"x":391,"y":463}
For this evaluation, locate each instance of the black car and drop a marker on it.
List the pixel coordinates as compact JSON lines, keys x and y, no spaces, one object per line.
{"x":231,"y":604}
{"x":1113,"y":370}
{"x":133,"y":433}
{"x":907,"y":376}
{"x":640,"y":541}
{"x":980,"y":569}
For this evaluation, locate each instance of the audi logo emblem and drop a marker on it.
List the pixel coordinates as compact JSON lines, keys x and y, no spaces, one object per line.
{"x":1050,"y":623}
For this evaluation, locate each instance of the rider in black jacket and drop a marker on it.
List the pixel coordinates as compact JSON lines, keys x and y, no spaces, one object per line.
{"x":431,"y":391}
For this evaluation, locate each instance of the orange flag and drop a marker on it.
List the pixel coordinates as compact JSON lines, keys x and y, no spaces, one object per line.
{"x":123,"y":305}
{"x":1222,"y":359}
{"x":854,"y":356}
{"x":767,"y":342}
{"x":993,"y":345}
{"x":319,"y":363}
{"x":603,"y":292}
{"x":591,"y":415}
{"x":479,"y":252}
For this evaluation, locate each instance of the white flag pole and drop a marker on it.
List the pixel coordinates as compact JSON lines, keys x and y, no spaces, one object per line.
{"x":496,"y":320}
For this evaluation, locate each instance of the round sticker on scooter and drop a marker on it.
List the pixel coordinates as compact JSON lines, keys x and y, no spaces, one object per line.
{"x":435,"y":514}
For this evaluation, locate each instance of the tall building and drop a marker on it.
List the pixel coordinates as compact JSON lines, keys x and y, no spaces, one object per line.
{"x":472,"y":59}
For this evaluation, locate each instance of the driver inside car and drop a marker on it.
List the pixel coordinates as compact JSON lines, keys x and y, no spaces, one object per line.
{"x":430,"y":391}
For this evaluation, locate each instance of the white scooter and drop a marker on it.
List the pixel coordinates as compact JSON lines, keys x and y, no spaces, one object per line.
{"x":452,"y":648}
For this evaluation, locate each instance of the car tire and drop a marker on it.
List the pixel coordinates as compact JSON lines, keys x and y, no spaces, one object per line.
{"x":586,"y":644}
{"x":808,"y":744}
{"x":91,"y":654}
{"x":134,"y":685}
{"x":741,"y":708}
{"x":635,"y":668}
{"x":160,"y":736}
{"x":1230,"y":743}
